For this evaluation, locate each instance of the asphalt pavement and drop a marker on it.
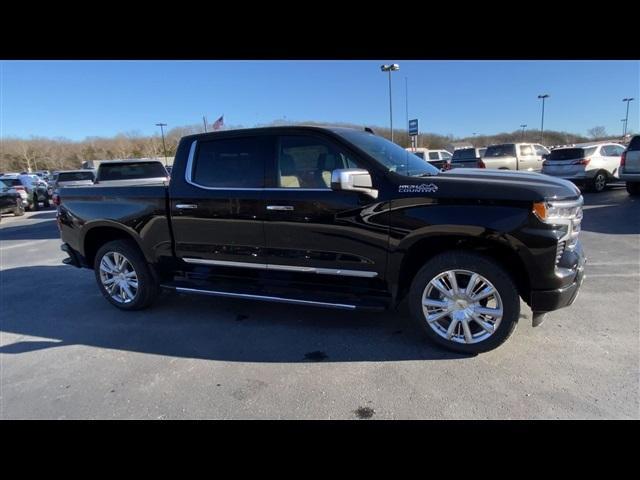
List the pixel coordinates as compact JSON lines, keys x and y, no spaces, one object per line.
{"x":65,"y":353}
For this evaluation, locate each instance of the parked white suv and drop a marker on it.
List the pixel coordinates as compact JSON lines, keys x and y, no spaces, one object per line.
{"x":630,"y":166}
{"x":589,"y":165}
{"x":440,"y":159}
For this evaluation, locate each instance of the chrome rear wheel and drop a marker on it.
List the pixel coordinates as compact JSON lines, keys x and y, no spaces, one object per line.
{"x":118,"y":277}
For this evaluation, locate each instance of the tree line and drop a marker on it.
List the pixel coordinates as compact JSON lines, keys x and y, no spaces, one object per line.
{"x":40,"y":153}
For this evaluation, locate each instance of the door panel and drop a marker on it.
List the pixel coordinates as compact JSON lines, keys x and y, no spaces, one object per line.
{"x":311,"y":228}
{"x":217,"y":210}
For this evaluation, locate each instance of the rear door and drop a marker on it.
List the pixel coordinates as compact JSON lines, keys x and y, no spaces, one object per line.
{"x":612,"y":158}
{"x":217,"y":206}
{"x":527,"y":159}
{"x":322,"y":234}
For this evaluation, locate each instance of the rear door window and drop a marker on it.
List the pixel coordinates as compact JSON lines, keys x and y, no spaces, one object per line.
{"x":130,"y":171}
{"x":526,"y":150}
{"x":434,"y":156}
{"x":232,"y":162}
{"x":505,"y":150}
{"x":75,"y":176}
{"x":634,"y":145}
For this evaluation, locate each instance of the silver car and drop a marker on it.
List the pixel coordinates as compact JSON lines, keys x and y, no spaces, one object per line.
{"x":515,"y":156}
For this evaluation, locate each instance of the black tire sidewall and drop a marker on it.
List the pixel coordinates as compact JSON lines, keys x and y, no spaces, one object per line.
{"x":147,"y":282}
{"x":633,"y":188}
{"x":486,"y":267}
{"x":594,"y":188}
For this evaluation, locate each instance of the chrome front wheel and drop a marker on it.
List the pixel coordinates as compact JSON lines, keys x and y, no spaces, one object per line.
{"x":118,"y":277}
{"x":462,"y":306}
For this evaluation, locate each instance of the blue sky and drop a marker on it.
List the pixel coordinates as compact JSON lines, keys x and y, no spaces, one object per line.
{"x":76,"y":99}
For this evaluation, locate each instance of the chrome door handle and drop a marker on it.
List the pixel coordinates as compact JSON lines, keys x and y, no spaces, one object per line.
{"x":280,"y":207}
{"x":186,"y":206}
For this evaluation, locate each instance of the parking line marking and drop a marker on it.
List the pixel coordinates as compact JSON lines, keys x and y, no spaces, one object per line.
{"x":23,"y":244}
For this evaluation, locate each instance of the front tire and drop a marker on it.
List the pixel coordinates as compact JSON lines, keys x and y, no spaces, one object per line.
{"x":468,"y":321}
{"x":124,"y":277}
{"x":599,"y":182}
{"x":633,"y":188}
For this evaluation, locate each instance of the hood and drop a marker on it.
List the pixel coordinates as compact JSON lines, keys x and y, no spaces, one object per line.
{"x":490,"y":184}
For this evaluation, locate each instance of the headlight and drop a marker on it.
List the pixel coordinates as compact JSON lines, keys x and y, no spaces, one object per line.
{"x":563,"y":212}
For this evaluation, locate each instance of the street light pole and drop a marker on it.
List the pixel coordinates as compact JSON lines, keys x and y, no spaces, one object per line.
{"x":628,"y":100}
{"x":164,"y":147}
{"x":406,"y":106}
{"x":390,"y":68}
{"x":543,"y":97}
{"x":523,"y":126}
{"x":624,"y":127}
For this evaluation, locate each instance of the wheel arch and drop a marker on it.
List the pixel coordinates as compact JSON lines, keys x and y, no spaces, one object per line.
{"x":98,"y":233}
{"x":422,"y":249}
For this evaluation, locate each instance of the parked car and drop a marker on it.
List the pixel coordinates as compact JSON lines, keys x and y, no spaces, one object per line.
{"x":589,"y":165}
{"x":468,"y":158}
{"x":440,"y":159}
{"x":630,"y":166}
{"x":515,"y":156}
{"x":10,"y":201}
{"x":31,"y":188}
{"x":131,"y":172}
{"x":338,"y":218}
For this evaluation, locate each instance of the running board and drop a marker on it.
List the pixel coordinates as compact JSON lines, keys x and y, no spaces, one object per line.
{"x":265,"y":298}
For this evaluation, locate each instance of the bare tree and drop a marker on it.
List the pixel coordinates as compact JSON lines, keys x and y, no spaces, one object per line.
{"x":597,"y":132}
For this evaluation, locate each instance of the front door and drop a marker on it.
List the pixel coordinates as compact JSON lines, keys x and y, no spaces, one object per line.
{"x":527,"y":159}
{"x":217,"y":209}
{"x":310,"y":229}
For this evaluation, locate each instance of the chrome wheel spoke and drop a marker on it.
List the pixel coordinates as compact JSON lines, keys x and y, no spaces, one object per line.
{"x":467,"y":331}
{"x":452,"y":327}
{"x":436,"y":282}
{"x":107,"y":265}
{"x":493,"y":312}
{"x":432,"y":302}
{"x":486,"y":326}
{"x":434,"y":317}
{"x":471,"y":285}
{"x":108,"y":281}
{"x":484,"y":293}
{"x":453,"y":281}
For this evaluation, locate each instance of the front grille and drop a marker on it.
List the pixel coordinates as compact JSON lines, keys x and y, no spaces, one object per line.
{"x":560,"y":251}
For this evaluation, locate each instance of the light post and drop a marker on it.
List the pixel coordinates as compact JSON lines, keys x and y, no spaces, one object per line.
{"x":543,"y":97}
{"x":164,"y":147}
{"x":624,"y":127}
{"x":523,"y":126}
{"x":628,"y":100}
{"x":390,"y":68}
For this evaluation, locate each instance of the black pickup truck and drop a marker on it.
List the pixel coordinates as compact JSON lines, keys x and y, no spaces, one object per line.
{"x":340,"y":218}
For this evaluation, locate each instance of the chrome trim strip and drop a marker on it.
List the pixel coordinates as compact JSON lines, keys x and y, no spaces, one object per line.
{"x":287,"y":268}
{"x":217,"y":293}
{"x":225,"y":263}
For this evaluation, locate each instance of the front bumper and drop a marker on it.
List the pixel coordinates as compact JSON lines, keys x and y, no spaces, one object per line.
{"x":549,"y":300}
{"x":74,"y":257}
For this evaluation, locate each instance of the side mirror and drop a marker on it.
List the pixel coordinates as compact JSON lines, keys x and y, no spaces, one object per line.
{"x":354,"y":180}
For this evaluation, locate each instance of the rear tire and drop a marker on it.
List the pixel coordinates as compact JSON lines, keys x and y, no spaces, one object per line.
{"x":633,"y":188}
{"x":36,"y":205}
{"x":46,"y":203}
{"x":598,"y":182}
{"x":478,"y":335}
{"x":146,"y":284}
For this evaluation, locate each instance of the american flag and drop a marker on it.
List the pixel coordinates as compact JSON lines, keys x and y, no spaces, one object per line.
{"x":218,"y":123}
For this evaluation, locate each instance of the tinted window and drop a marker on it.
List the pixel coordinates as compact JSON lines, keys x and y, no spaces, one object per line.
{"x":307,"y":162}
{"x":419,"y":154}
{"x":11,"y":182}
{"x":130,"y":171}
{"x":506,"y":150}
{"x":464,"y":154}
{"x":615,"y":150}
{"x":571,"y":153}
{"x":74,"y":176}
{"x":482,"y":151}
{"x":232,"y":162}
{"x":635,"y":143}
{"x":446,"y":155}
{"x":433,"y":156}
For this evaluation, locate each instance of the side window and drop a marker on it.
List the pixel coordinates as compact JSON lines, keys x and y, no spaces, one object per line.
{"x":526,"y":150}
{"x":307,"y":162}
{"x":540,"y":150}
{"x":446,"y":155}
{"x":232,"y":162}
{"x":605,"y":151}
{"x":616,"y":151}
{"x":433,"y":156}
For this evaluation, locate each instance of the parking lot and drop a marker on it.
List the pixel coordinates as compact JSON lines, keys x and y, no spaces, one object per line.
{"x":65,"y":353}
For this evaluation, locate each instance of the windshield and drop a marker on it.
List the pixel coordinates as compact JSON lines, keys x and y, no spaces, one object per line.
{"x":506,"y":150}
{"x":129,"y":171}
{"x":75,"y":176}
{"x":392,"y":156}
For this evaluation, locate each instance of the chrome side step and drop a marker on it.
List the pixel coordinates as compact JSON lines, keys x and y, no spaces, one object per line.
{"x":266,"y":298}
